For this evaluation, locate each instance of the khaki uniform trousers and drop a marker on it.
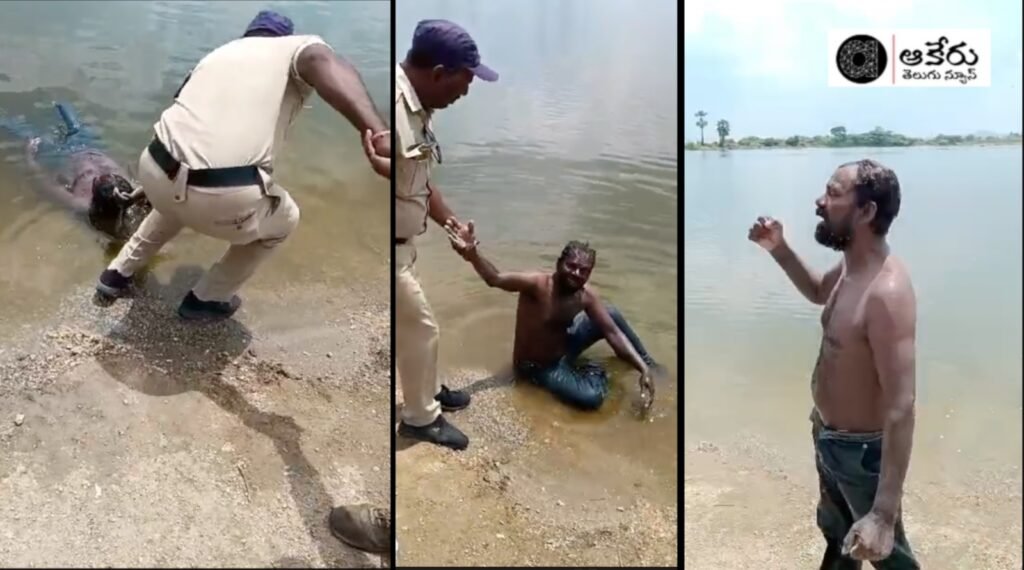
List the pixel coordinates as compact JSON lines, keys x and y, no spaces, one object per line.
{"x":243,"y":216}
{"x":416,"y":336}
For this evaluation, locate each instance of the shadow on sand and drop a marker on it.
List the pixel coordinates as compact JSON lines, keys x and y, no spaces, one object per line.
{"x":192,"y":357}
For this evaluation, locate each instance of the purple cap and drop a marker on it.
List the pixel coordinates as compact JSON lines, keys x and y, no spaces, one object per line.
{"x":272,"y":23}
{"x":451,"y":46}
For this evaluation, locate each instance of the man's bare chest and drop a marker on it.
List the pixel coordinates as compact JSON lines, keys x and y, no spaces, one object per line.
{"x":843,"y":320}
{"x":556,"y":312}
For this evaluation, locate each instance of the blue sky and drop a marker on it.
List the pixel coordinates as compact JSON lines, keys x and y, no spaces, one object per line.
{"x":761,"y":66}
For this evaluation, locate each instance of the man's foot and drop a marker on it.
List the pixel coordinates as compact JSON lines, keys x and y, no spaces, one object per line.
{"x":440,"y":432}
{"x":452,"y":400}
{"x":362,"y":526}
{"x":113,"y":285}
{"x":193,"y":309}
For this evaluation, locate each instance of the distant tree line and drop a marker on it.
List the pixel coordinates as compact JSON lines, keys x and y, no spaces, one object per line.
{"x":838,"y":137}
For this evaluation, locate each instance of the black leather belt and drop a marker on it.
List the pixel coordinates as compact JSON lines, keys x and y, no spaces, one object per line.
{"x":208,"y":177}
{"x":401,"y":241}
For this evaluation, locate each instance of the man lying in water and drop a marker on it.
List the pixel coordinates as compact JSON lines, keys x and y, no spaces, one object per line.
{"x":71,"y":168}
{"x":558,"y":317}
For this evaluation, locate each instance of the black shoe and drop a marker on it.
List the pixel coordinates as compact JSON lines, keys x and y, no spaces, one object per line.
{"x":113,"y":285}
{"x":452,"y":400}
{"x":440,"y":432}
{"x":362,"y":526}
{"x":193,"y":309}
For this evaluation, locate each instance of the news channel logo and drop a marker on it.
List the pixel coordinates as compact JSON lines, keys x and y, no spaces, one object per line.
{"x":909,"y":58}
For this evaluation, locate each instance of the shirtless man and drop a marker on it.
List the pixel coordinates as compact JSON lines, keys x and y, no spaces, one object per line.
{"x":864,"y":380}
{"x":72,"y":169}
{"x":558,"y":317}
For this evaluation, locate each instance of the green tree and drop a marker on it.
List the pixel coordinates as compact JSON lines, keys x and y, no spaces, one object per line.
{"x":723,"y":131}
{"x":701,"y":123}
{"x":838,"y":135}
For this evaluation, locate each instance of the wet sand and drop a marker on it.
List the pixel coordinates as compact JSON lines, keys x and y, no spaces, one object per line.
{"x":747,"y":508}
{"x":520,"y":495}
{"x":131,"y":438}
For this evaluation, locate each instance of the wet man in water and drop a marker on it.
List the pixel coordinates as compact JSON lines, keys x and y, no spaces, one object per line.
{"x":210,"y":164}
{"x":558,"y":317}
{"x":863,"y":384}
{"x":71,"y":167}
{"x":437,"y":71}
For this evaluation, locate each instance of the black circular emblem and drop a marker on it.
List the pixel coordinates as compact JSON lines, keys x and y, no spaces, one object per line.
{"x":861,"y":59}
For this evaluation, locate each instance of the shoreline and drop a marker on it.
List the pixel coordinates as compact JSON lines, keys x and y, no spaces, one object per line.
{"x":746,"y":510}
{"x":521,"y":495}
{"x":131,"y":438}
{"x":804,"y":147}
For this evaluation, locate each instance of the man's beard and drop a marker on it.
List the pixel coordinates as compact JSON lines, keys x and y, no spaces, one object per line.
{"x":837,"y":239}
{"x":566,"y":287}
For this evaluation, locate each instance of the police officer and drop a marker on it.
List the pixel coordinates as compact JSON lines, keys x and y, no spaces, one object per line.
{"x":210,"y":165}
{"x":436,"y":72}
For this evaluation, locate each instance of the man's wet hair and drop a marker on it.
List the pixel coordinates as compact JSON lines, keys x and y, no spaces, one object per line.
{"x":105,"y":201}
{"x":106,"y":208}
{"x":877,"y":183}
{"x":578,"y":248}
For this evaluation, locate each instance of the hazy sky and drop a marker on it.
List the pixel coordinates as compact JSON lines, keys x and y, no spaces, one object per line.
{"x":762,"y":66}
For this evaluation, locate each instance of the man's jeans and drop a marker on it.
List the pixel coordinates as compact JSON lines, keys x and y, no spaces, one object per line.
{"x":848,"y":468}
{"x":582,"y":386}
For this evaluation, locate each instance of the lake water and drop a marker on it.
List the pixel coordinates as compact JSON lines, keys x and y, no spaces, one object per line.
{"x":577,"y":140}
{"x":751,"y":338}
{"x":119,"y":64}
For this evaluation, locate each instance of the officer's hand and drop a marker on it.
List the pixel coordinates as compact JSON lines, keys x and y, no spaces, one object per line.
{"x":372,"y":145}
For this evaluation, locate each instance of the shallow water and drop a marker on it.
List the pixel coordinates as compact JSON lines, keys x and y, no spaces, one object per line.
{"x":751,"y":338}
{"x":577,"y":140}
{"x":119,"y":64}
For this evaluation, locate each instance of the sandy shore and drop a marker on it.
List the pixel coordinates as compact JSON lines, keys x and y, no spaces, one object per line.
{"x":131,"y":438}
{"x":745,"y":509}
{"x":515,"y":498}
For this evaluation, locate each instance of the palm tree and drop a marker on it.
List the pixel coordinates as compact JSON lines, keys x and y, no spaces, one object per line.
{"x":723,"y":131}
{"x":701,"y":123}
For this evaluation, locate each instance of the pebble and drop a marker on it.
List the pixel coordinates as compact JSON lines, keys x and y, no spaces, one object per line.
{"x":560,"y":503}
{"x":376,"y":469}
{"x":125,"y":401}
{"x":330,"y":355}
{"x":621,"y":509}
{"x":19,"y":419}
{"x":499,"y":535}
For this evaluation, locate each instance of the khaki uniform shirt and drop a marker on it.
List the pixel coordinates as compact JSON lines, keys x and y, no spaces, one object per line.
{"x":238,"y":103}
{"x":415,"y":159}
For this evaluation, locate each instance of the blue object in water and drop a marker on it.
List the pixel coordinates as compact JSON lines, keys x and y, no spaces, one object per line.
{"x":73,"y":136}
{"x":67,"y":114}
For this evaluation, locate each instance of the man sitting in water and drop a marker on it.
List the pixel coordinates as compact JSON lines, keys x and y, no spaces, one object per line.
{"x":72,"y":169}
{"x":558,"y":317}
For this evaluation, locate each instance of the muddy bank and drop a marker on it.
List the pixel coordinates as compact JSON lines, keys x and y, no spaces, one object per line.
{"x":517,"y":496}
{"x":746,"y":510}
{"x":131,"y":438}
